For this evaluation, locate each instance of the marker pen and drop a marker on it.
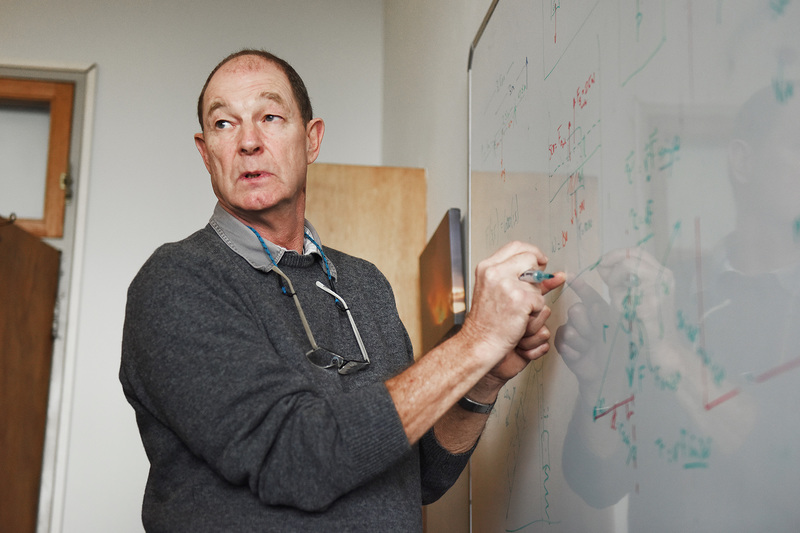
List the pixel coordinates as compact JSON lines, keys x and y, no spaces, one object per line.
{"x":535,"y":276}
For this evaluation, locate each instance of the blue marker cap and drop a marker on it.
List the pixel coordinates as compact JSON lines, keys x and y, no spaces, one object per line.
{"x":535,"y":276}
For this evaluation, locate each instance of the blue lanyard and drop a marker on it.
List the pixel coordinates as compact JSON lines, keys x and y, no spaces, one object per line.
{"x":307,"y":236}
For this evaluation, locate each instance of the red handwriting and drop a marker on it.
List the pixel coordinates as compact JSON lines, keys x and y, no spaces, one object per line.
{"x":600,"y":412}
{"x":579,"y":100}
{"x":561,"y":141}
{"x":554,"y":7}
{"x":566,"y":133}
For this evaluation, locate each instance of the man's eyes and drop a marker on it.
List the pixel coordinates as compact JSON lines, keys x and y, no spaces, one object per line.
{"x":223,"y":124}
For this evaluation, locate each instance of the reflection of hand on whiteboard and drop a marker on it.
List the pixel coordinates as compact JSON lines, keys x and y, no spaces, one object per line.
{"x":605,"y":344}
{"x":617,"y":348}
{"x":580,"y":341}
{"x":642,"y":293}
{"x":610,"y":345}
{"x":583,"y":343}
{"x":639,"y":316}
{"x":640,"y":289}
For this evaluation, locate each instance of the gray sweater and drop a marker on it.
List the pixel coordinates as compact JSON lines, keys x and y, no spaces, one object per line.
{"x":242,"y":432}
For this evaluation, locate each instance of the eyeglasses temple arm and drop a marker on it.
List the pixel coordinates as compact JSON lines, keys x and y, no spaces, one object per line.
{"x":293,"y":294}
{"x":349,"y":317}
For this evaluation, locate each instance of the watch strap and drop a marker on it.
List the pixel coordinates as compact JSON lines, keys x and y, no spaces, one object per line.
{"x":475,"y":407}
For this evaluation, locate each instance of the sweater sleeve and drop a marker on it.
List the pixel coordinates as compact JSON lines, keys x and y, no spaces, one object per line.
{"x":440,"y":468}
{"x":201,"y":377}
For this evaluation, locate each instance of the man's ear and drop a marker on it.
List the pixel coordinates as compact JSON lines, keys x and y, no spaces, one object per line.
{"x":314,"y":133}
{"x":200,"y":142}
{"x":740,"y":161}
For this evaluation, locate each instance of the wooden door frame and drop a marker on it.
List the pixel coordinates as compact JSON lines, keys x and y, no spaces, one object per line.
{"x":58,"y":96}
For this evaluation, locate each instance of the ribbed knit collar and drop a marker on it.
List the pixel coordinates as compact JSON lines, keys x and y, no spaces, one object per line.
{"x":244,"y":242}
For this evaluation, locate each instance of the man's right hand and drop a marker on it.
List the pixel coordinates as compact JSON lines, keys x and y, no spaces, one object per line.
{"x":510,"y":314}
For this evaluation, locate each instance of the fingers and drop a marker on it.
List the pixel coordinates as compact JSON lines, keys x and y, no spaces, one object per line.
{"x":510,"y":261}
{"x":627,"y":267}
{"x":497,"y":282}
{"x":579,"y":332}
{"x":535,"y":352}
{"x":585,"y":320}
{"x":583,"y":366}
{"x":508,"y":313}
{"x":535,"y":342}
{"x":564,"y":342}
{"x":537,"y":321}
{"x":586,"y":293}
{"x":556,"y":281}
{"x":637,"y":283}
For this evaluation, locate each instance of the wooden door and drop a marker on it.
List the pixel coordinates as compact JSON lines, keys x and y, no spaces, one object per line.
{"x":28,"y":286}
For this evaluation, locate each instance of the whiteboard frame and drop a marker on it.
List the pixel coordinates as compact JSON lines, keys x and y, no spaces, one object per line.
{"x":467,"y":219}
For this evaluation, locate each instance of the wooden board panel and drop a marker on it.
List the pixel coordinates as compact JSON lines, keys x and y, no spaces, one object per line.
{"x":379,"y":214}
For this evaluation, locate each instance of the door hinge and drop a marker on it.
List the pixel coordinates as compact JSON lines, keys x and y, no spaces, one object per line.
{"x":65,"y":182}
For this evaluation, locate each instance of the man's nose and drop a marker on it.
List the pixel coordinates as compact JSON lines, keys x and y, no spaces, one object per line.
{"x":250,"y":141}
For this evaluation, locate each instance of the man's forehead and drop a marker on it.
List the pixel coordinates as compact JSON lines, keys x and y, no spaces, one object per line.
{"x":219,"y":87}
{"x":220,"y":102}
{"x":249,"y":62}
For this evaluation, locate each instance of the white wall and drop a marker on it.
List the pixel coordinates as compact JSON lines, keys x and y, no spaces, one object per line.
{"x":425,"y":94}
{"x":425,"y":125}
{"x":148,"y":184}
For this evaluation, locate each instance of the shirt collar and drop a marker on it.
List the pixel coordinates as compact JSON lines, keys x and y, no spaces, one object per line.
{"x":244,"y":242}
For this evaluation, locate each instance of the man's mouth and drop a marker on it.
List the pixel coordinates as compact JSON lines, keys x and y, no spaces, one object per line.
{"x":253,"y":175}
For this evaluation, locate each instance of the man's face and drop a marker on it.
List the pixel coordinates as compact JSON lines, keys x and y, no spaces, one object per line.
{"x":255,"y":144}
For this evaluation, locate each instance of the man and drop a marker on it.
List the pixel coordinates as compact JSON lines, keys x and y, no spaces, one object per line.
{"x":271,"y":377}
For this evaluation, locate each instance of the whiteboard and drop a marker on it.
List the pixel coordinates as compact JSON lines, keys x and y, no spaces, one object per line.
{"x":651,"y":149}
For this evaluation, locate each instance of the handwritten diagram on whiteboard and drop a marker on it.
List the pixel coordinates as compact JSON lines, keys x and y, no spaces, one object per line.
{"x":650,"y":149}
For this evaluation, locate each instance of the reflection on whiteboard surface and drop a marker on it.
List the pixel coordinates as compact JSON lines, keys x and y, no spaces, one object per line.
{"x":651,"y":149}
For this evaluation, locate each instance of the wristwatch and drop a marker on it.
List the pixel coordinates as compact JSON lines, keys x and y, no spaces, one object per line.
{"x":475,"y":407}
